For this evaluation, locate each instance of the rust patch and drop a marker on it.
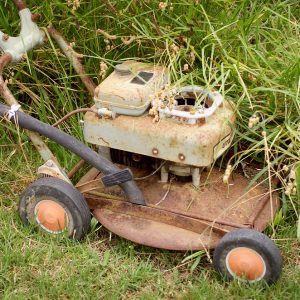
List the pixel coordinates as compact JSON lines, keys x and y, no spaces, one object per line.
{"x":21,"y":4}
{"x":209,"y":211}
{"x":152,"y":233}
{"x":154,"y":214}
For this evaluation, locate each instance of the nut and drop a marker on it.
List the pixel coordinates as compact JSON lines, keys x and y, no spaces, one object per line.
{"x":136,"y":157}
{"x":49,"y":163}
{"x":181,"y":156}
{"x":155,"y":151}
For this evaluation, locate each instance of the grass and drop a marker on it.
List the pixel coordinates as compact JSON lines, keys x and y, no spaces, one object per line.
{"x":248,"y":50}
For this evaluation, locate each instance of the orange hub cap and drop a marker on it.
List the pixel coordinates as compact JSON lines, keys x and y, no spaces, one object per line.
{"x":51,"y":216}
{"x":245,"y":263}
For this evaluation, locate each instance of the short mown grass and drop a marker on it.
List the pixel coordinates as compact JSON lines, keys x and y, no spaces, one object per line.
{"x":248,"y":50}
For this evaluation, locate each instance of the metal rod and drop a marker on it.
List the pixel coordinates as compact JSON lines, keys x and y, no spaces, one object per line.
{"x":102,"y":196}
{"x":152,"y":213}
{"x":202,"y":218}
{"x":70,"y":114}
{"x":76,"y":168}
{"x":74,"y":59}
{"x":21,"y":4}
{"x":9,"y":98}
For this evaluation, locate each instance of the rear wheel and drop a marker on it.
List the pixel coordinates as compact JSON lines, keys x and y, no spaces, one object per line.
{"x":56,"y":207}
{"x":248,"y":255}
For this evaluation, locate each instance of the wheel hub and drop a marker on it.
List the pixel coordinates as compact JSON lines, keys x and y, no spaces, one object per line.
{"x":245,"y":263}
{"x":51,"y":216}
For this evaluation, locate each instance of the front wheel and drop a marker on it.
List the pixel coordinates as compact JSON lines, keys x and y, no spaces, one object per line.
{"x":248,"y":255}
{"x":56,"y":207}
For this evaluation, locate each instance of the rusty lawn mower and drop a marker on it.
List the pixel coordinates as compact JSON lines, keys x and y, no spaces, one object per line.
{"x":151,"y":182}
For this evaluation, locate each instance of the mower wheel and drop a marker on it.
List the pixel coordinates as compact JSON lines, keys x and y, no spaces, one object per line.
{"x":56,"y":207}
{"x":248,"y":255}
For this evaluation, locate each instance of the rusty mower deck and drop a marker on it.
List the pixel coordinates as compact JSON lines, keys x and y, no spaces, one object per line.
{"x":178,"y":216}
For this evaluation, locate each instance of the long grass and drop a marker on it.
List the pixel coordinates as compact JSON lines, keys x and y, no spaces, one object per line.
{"x":248,"y":50}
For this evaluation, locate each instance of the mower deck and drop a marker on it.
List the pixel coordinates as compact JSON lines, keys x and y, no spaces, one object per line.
{"x":179,"y":216}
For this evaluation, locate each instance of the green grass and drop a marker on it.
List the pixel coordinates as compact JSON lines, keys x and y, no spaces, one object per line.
{"x":248,"y":50}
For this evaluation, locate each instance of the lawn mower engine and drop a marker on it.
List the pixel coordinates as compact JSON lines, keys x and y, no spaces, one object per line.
{"x":193,"y":128}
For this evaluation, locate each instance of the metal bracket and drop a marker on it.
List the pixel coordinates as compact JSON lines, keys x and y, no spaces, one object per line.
{"x":30,"y":37}
{"x":50,"y":168}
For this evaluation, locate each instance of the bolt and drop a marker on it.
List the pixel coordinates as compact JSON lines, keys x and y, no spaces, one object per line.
{"x":155,"y":151}
{"x":136,"y":157}
{"x":181,"y":156}
{"x":49,"y":163}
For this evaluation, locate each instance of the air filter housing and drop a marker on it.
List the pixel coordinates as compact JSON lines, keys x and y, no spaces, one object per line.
{"x":128,"y":90}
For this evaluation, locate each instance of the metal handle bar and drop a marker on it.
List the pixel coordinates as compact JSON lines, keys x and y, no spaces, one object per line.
{"x":21,"y":4}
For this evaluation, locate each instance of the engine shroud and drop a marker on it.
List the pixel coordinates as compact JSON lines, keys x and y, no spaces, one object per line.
{"x":189,"y":133}
{"x":195,"y":145}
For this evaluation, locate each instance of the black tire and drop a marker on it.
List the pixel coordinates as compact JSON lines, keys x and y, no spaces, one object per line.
{"x":62,"y":196}
{"x":248,"y":255}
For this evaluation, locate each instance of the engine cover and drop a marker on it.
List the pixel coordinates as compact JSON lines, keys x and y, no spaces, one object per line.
{"x":196,"y":145}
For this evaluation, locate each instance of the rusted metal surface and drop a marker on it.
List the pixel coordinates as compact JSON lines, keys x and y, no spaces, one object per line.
{"x":76,"y":168}
{"x":9,"y":98}
{"x":74,"y":59}
{"x":4,"y":61}
{"x":21,"y":4}
{"x":205,"y":218}
{"x":105,"y":196}
{"x":256,"y":212}
{"x":265,"y":213}
{"x":154,"y":234}
{"x":210,"y":210}
{"x":89,"y":186}
{"x":181,"y":143}
{"x":91,"y":175}
{"x":152,"y":213}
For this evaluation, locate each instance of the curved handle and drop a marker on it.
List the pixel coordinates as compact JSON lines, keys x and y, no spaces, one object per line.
{"x":25,"y":121}
{"x":21,"y":4}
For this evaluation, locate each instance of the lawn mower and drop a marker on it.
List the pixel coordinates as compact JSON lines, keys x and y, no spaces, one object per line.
{"x":153,"y":179}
